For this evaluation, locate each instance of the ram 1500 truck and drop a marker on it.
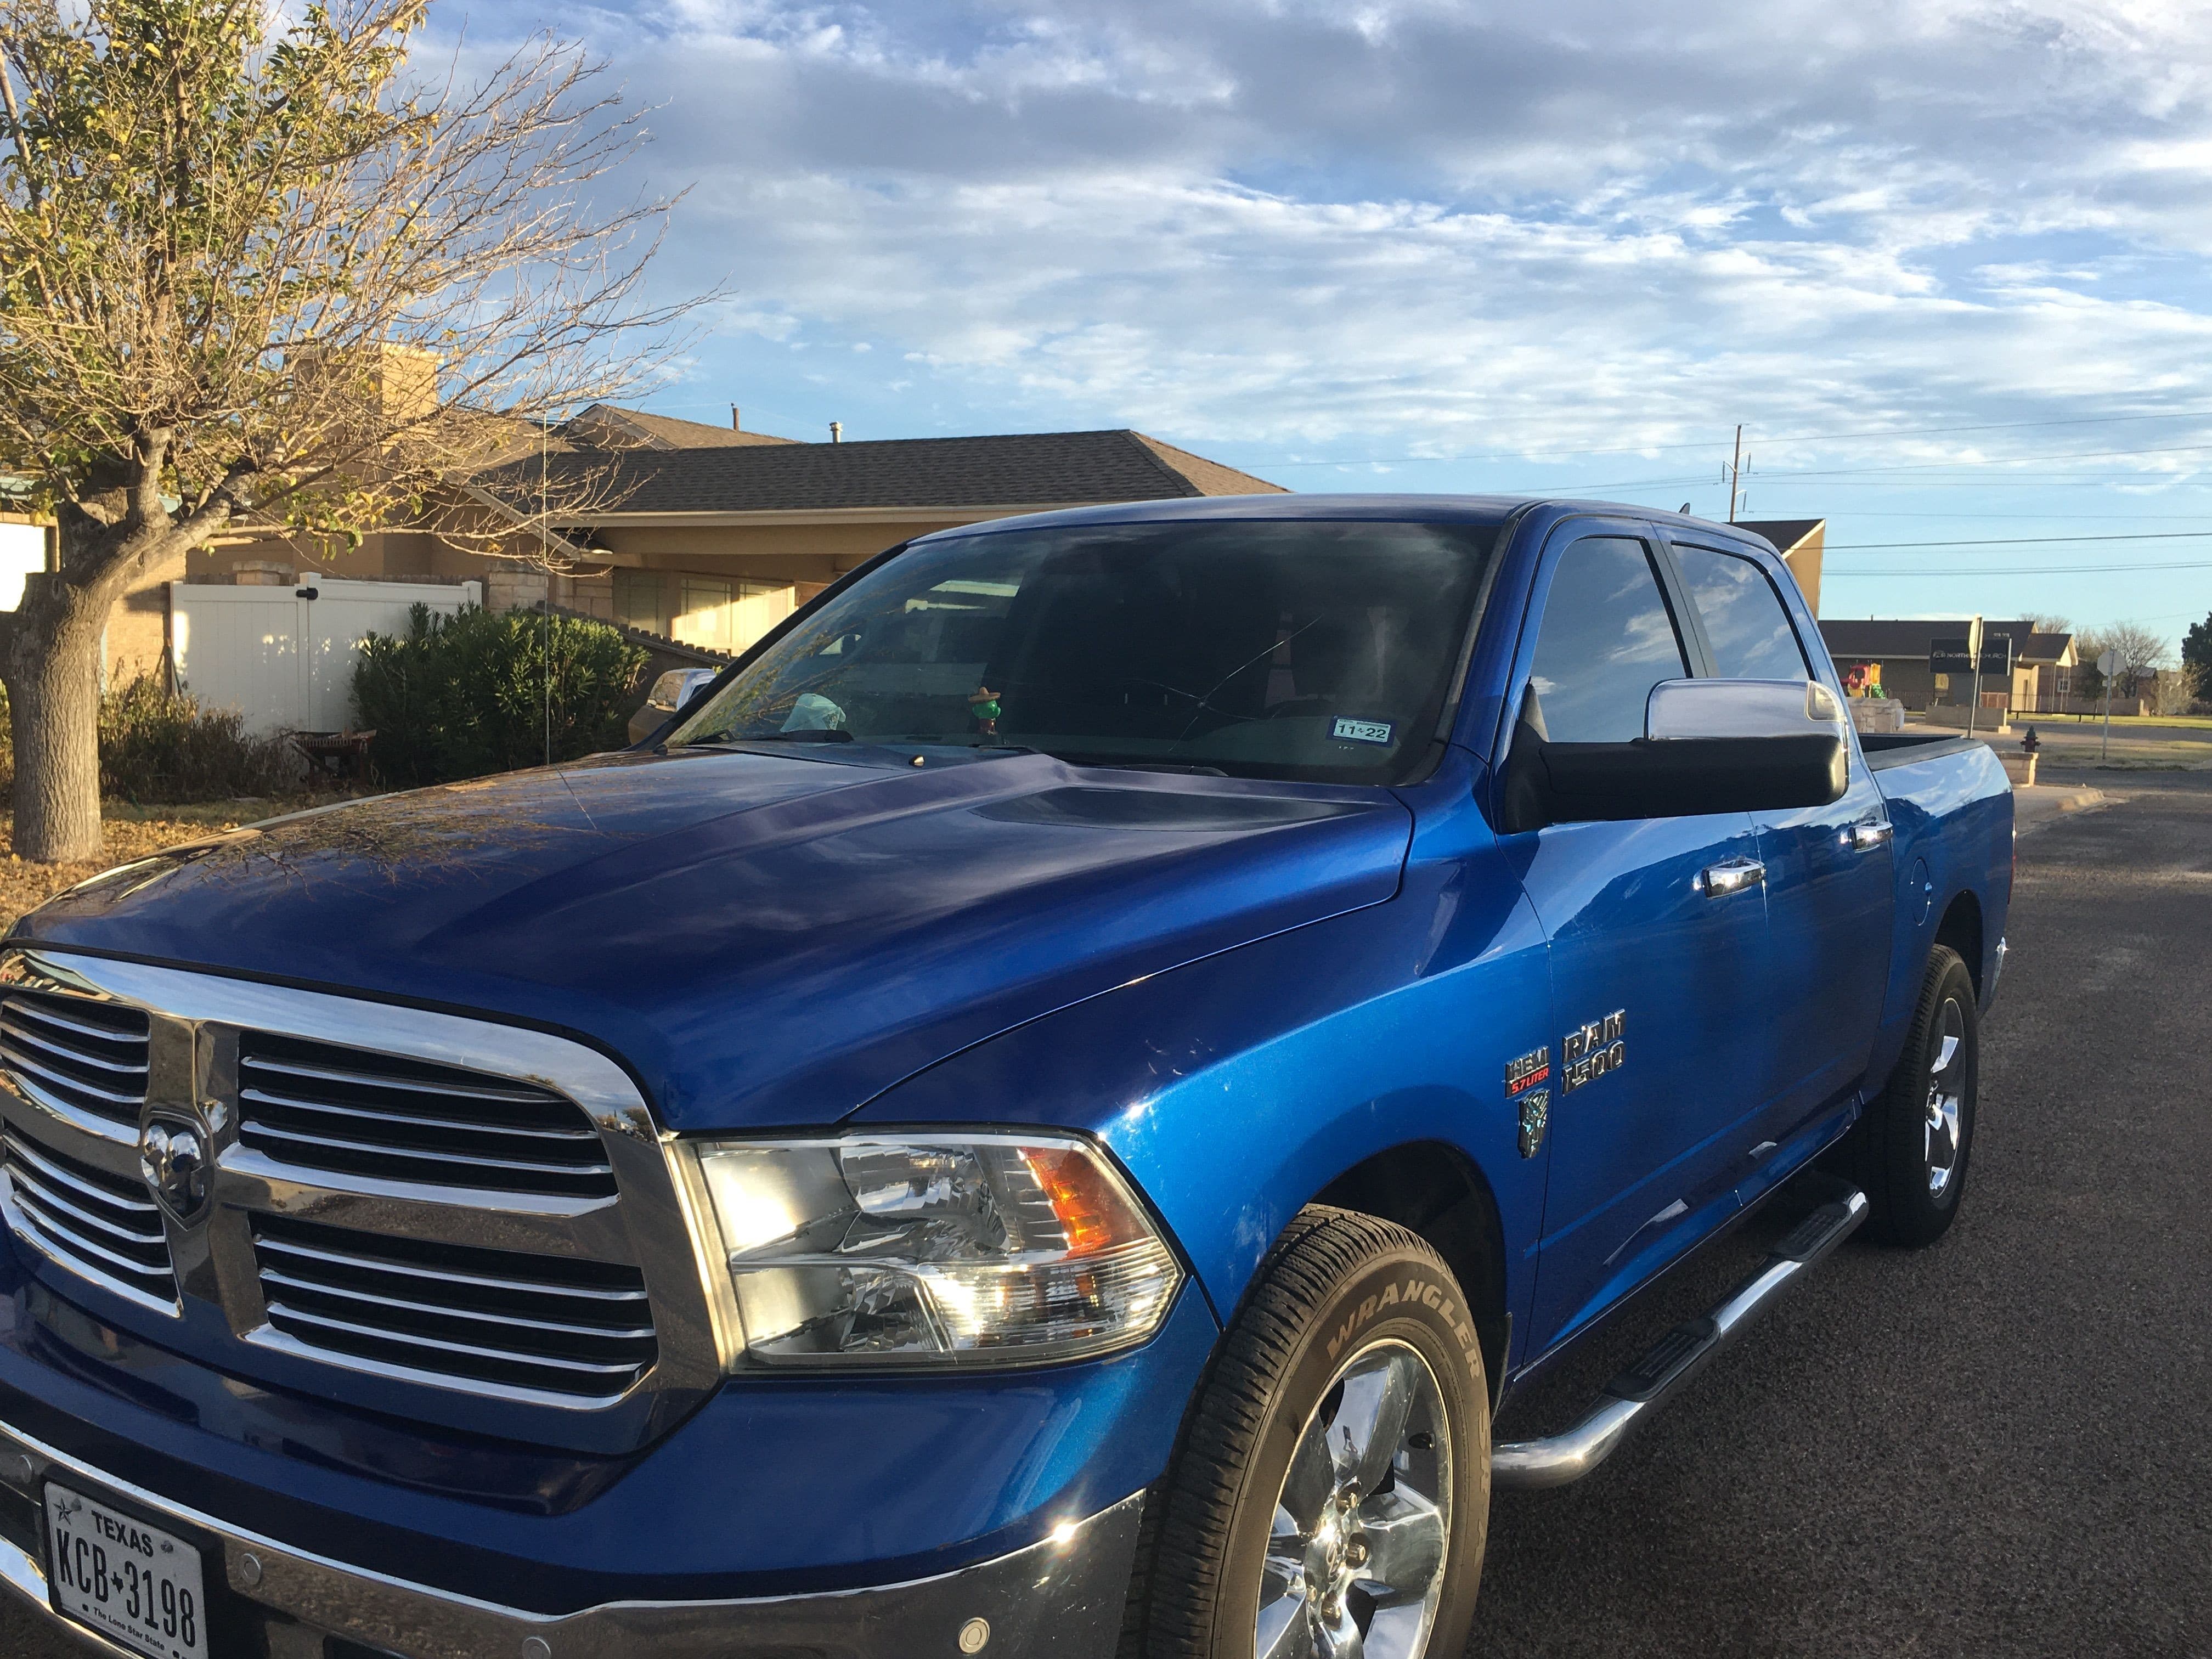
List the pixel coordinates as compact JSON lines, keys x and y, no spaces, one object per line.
{"x":1041,"y":1113}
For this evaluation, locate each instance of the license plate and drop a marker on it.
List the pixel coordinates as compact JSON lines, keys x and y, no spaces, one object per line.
{"x":130,"y":1582}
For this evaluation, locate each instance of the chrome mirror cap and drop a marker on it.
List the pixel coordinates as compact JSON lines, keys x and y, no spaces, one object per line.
{"x":677,"y":686}
{"x":1740,"y":709}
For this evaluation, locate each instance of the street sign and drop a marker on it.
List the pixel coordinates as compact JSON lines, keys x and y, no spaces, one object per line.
{"x":1952,"y":655}
{"x":2107,"y":662}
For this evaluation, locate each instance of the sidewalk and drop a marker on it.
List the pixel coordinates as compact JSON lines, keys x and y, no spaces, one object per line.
{"x":2036,"y":805}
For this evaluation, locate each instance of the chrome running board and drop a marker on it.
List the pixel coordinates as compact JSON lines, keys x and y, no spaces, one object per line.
{"x":1644,"y":1387}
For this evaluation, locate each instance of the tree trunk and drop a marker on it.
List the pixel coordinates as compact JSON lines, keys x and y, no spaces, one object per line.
{"x":51,"y":667}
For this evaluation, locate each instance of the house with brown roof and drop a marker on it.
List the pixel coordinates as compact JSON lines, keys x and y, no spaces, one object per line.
{"x":709,"y":536}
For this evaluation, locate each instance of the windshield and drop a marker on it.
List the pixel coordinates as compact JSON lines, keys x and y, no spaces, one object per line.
{"x":1318,"y":650}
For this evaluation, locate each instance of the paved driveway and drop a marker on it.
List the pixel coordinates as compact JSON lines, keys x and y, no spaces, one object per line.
{"x":2002,"y":1446}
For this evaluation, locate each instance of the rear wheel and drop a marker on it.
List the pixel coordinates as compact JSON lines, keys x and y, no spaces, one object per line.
{"x":1913,"y":1145}
{"x":1331,"y":1495}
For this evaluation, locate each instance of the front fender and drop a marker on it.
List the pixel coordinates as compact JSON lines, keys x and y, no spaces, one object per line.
{"x":1236,"y":1088}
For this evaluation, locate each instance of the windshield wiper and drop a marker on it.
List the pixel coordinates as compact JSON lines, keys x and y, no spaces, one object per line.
{"x":811,"y":734}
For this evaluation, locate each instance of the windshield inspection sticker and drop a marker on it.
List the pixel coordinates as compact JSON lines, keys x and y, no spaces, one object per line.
{"x":1362,"y":730}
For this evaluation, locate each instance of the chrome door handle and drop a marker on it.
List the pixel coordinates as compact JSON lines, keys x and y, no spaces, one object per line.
{"x":1865,"y":837}
{"x":1730,"y":876}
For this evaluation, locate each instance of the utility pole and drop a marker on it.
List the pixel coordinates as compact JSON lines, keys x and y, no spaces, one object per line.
{"x":546,"y":562}
{"x":1735,"y":470}
{"x":2107,"y":665}
{"x":1974,"y":650}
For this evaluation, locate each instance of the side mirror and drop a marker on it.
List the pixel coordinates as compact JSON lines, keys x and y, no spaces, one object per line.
{"x":1709,"y":746}
{"x":1678,"y":710}
{"x":678,"y":686}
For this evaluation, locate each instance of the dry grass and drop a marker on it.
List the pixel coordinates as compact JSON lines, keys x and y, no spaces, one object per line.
{"x":130,"y":832}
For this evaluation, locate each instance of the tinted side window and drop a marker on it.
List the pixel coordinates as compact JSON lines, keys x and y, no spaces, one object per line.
{"x":1607,"y":640}
{"x":1745,"y":622}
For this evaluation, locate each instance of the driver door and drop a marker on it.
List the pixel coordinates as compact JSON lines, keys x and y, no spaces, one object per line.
{"x":1658,"y":980}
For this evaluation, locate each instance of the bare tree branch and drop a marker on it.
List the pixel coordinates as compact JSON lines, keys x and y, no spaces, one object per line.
{"x":288,"y":277}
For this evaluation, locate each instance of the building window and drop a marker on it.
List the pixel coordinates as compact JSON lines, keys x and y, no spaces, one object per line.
{"x":719,"y":612}
{"x":703,"y":613}
{"x":641,"y":600}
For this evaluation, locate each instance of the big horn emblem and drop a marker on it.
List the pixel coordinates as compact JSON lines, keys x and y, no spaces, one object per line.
{"x":173,"y":1157}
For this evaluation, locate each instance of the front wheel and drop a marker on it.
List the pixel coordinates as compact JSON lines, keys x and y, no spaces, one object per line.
{"x":1331,"y":1496}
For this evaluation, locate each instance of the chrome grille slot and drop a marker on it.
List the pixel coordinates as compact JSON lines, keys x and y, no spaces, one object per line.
{"x":85,"y":1053}
{"x":107,"y":1227}
{"x":348,"y":1110}
{"x":492,"y":1320}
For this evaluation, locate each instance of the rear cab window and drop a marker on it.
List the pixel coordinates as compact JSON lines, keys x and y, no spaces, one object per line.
{"x":1747,"y":627}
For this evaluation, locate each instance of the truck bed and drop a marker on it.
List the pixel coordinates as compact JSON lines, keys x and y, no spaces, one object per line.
{"x":1884,"y":750}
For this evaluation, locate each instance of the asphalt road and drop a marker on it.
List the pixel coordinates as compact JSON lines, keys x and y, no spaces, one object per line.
{"x":1999,"y":1446}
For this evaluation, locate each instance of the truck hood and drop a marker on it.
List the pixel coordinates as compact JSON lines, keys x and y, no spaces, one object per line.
{"x":765,"y":939}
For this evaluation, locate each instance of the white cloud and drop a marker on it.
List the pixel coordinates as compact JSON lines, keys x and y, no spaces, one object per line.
{"x":1433,"y":225}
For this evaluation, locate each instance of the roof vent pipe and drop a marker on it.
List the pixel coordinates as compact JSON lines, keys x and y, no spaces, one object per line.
{"x":837,"y":432}
{"x":736,"y":425}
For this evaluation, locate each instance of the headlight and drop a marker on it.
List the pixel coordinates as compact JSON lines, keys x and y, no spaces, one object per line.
{"x":963,"y":1249}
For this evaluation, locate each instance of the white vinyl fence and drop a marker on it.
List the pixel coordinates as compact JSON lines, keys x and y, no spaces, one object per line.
{"x":285,"y":662}
{"x":22,"y":550}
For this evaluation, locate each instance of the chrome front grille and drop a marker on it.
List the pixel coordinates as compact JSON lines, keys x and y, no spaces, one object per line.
{"x":79,"y":1050}
{"x":555,"y":1325}
{"x":477,"y":1224}
{"x":104,"y":1226}
{"x":324,"y":1107}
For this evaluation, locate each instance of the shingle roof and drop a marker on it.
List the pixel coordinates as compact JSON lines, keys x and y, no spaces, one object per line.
{"x":1039,"y":469}
{"x":628,"y":427}
{"x":1878,"y":641}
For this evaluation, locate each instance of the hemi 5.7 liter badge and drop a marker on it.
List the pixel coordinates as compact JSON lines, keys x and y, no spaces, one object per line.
{"x":1526,"y":1072}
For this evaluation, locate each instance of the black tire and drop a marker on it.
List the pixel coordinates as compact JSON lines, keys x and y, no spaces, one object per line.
{"x":1899,"y":1152}
{"x":1341,"y":1293}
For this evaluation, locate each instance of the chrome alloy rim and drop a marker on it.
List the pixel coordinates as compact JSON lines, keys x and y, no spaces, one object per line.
{"x":1355,"y":1560}
{"x":1947,"y":1087}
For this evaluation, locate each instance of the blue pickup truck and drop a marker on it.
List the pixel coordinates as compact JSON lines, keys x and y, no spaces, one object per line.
{"x":1042,"y":1113}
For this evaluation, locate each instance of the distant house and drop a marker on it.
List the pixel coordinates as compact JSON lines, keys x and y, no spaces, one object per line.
{"x":1801,"y":542}
{"x":2043,"y":664}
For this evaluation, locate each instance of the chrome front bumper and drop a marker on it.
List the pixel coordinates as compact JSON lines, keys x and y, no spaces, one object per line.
{"x":1063,"y":1596}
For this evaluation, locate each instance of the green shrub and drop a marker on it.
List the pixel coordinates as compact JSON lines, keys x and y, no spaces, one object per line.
{"x":463,"y":695}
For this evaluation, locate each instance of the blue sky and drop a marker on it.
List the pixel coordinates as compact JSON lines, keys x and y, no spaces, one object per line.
{"x":1947,"y":262}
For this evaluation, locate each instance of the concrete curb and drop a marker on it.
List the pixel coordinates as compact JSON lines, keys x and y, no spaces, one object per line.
{"x":2040,"y":804}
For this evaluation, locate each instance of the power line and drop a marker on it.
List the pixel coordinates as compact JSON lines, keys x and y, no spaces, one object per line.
{"x":2031,"y":541}
{"x":2050,"y":517}
{"x":1832,"y":475}
{"x":2085,"y":481}
{"x":1722,"y":441}
{"x":2026,"y":570}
